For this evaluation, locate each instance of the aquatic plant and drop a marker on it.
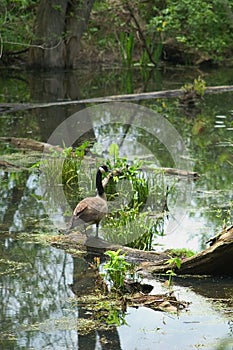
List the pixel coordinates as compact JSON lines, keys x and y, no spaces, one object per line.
{"x":130,"y":220}
{"x":132,"y":175}
{"x":198,"y":87}
{"x":175,"y":263}
{"x":117,"y":268}
{"x":129,"y":226}
{"x":181,"y":253}
{"x":72,"y":163}
{"x":126,"y":44}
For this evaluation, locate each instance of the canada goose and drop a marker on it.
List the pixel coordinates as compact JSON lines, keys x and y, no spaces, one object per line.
{"x":92,"y":209}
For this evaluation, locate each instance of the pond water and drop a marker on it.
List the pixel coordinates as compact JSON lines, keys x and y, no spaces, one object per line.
{"x":36,"y":292}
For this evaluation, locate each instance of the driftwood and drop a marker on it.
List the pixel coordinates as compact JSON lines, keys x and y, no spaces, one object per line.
{"x":14,"y":107}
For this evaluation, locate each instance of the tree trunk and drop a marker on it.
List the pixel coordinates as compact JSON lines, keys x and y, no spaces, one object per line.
{"x":58,"y":30}
{"x":77,"y":19}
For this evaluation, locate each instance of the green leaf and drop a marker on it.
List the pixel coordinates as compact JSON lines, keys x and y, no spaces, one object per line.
{"x":113,"y":150}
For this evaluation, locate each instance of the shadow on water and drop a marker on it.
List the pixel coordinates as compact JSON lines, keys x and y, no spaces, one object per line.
{"x":37,"y":282}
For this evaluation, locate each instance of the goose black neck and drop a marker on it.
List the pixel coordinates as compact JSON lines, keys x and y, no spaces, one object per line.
{"x":99,"y":185}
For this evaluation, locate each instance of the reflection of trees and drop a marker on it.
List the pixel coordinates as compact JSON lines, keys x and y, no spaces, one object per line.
{"x":211,"y":151}
{"x":58,"y":87}
{"x":84,"y":283}
{"x":12,"y":189}
{"x":19,"y":206}
{"x":35,"y":294}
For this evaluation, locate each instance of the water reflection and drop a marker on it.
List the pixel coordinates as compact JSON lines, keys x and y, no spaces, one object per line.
{"x":35,"y":311}
{"x":35,"y":294}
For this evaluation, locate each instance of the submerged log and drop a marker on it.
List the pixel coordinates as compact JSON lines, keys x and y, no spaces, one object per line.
{"x":180,"y":172}
{"x":14,"y":107}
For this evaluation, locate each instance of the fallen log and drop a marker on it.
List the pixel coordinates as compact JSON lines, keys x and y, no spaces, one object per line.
{"x":179,"y":172}
{"x":25,"y":143}
{"x":14,"y":107}
{"x":30,"y":144}
{"x":215,"y":260}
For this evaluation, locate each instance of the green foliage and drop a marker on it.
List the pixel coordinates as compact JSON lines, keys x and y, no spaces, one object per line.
{"x":137,"y":184}
{"x":16,"y":22}
{"x":72,"y":164}
{"x":204,"y":26}
{"x":113,"y":151}
{"x":129,"y":226}
{"x":63,"y":169}
{"x":69,"y":160}
{"x":225,"y":215}
{"x":138,"y":29}
{"x":115,"y":317}
{"x":129,"y":222}
{"x":181,"y":253}
{"x":126,"y":48}
{"x":117,"y":268}
{"x":198,"y":87}
{"x":175,"y":263}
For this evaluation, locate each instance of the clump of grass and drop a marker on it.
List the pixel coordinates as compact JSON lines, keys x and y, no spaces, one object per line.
{"x":72,"y":164}
{"x":180,"y":253}
{"x":197,"y":88}
{"x":128,"y":226}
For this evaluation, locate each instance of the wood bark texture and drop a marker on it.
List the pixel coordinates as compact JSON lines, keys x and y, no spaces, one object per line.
{"x":58,"y":30}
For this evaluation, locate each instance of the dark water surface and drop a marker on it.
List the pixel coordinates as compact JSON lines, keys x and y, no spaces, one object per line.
{"x":35,"y":280}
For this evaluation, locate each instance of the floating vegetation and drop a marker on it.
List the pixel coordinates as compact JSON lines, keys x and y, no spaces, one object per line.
{"x":10,"y":267}
{"x":103,"y":310}
{"x":7,"y":336}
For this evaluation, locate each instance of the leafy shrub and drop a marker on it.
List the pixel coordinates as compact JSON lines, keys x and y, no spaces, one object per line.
{"x":204,"y":26}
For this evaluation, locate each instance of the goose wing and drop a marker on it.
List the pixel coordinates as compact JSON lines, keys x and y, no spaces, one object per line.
{"x":81,"y":206}
{"x":91,"y":205}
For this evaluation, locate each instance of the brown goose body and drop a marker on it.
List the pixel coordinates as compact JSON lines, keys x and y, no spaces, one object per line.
{"x":91,"y":210}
